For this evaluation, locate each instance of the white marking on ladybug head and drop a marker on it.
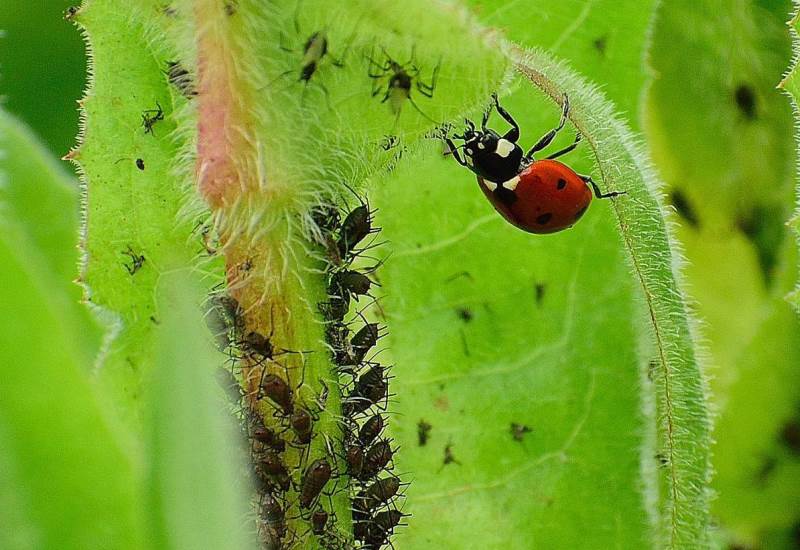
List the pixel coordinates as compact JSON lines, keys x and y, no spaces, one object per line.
{"x":504,"y":148}
{"x":511,"y":184}
{"x":481,"y":145}
{"x":490,"y":185}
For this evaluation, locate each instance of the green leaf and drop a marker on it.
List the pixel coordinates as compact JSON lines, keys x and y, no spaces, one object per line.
{"x":196,"y":497}
{"x":723,"y":142}
{"x":134,"y":224}
{"x":66,"y":480}
{"x":41,"y":202}
{"x":604,"y":39}
{"x":43,"y":69}
{"x":266,"y":150}
{"x":555,"y":333}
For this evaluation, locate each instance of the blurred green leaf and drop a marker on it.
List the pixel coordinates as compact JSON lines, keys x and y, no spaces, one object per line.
{"x":43,"y":69}
{"x":66,"y":480}
{"x":723,"y":141}
{"x":41,"y":202}
{"x":196,"y":494}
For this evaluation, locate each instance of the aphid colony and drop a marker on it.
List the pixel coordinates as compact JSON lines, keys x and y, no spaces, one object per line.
{"x":363,"y":379}
{"x":290,"y":488}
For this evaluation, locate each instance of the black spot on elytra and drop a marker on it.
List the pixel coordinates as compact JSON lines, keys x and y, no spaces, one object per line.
{"x":581,"y":212}
{"x":505,"y":196}
{"x":140,"y":164}
{"x":562,"y":183}
{"x":684,"y":208}
{"x":745,"y":98}
{"x":544,"y":218}
{"x":764,"y":228}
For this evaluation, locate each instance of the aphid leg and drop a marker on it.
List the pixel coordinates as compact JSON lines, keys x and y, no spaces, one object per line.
{"x":376,"y":70}
{"x":546,"y":139}
{"x":427,"y":89}
{"x":339,"y":61}
{"x":566,"y":150}
{"x":597,"y":192}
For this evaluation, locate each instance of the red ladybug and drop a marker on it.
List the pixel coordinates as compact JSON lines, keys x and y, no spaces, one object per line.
{"x":538,"y":196}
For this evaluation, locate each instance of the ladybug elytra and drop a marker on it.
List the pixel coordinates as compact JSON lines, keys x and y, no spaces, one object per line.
{"x":537,"y":196}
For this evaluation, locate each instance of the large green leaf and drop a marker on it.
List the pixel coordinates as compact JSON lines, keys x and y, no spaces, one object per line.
{"x":266,"y":150}
{"x":66,"y":481}
{"x":580,"y":336}
{"x":41,"y":202}
{"x":132,"y":200}
{"x":723,"y":142}
{"x":545,"y":332}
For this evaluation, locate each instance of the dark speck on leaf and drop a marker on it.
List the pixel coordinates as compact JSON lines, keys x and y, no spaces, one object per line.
{"x":763,"y":225}
{"x":423,"y":432}
{"x":600,"y":44}
{"x":684,"y":208}
{"x":746,"y":101}
{"x":449,"y":457}
{"x":790,"y":436}
{"x":465,"y":314}
{"x":518,"y":431}
{"x":766,"y":469}
{"x":540,"y":289}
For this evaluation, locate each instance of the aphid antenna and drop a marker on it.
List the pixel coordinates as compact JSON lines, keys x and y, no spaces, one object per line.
{"x":420,"y":111}
{"x":361,"y":201}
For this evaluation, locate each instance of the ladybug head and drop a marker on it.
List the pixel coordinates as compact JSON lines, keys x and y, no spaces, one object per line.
{"x":477,"y":142}
{"x":489,"y":155}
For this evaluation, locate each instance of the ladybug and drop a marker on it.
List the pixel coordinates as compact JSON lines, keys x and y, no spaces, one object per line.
{"x":537,"y":196}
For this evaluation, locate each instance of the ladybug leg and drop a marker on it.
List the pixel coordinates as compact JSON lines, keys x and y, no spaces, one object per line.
{"x":454,"y":151}
{"x":513,"y":134}
{"x":566,"y":150}
{"x":485,"y":119}
{"x":599,"y":194}
{"x":546,"y":139}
